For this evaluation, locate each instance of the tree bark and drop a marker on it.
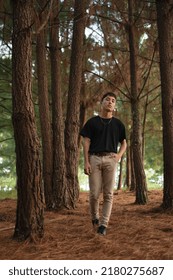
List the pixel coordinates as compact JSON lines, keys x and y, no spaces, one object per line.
{"x":120,"y":179}
{"x":60,"y":193}
{"x":164,"y":22}
{"x":73,"y":106}
{"x":133,"y":178}
{"x":44,"y":110}
{"x":128,"y":168}
{"x":141,"y":186}
{"x":30,"y":194}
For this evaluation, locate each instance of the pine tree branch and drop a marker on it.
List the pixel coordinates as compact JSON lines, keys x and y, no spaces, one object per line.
{"x":4,"y":140}
{"x":110,"y":82}
{"x":43,"y":24}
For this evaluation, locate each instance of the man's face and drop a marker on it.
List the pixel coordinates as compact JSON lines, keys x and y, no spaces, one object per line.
{"x":108,"y":103}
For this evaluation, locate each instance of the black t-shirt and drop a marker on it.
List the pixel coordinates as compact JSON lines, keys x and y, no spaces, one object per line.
{"x":105,"y":134}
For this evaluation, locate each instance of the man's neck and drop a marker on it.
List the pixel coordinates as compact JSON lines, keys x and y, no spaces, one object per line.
{"x":106,"y":115}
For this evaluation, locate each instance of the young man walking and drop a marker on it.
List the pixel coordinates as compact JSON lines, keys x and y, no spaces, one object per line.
{"x":102,"y":135}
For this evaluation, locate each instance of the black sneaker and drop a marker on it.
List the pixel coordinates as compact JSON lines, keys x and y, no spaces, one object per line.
{"x":95,"y":222}
{"x":101,"y":230}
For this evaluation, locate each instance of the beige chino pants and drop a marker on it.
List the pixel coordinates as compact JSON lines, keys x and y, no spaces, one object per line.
{"x":102,"y":179}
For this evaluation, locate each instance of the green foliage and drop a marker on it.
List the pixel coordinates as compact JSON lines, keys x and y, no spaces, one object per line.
{"x":83,"y":179}
{"x":7,"y":154}
{"x":4,"y":194}
{"x":153,"y":140}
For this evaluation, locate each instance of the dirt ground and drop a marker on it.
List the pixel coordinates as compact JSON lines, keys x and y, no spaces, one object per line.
{"x":135,"y":232}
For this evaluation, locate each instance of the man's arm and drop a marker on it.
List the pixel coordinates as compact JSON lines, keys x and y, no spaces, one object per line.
{"x":122,"y":150}
{"x":86,"y":145}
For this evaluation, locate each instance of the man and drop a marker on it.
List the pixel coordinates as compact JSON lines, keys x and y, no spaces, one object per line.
{"x":102,"y":134}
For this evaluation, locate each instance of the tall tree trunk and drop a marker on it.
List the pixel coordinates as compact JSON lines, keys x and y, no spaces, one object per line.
{"x":73,"y":106}
{"x":141,"y":186}
{"x":30,"y":200}
{"x":128,"y":168}
{"x":59,"y":169}
{"x":83,"y":107}
{"x":120,"y":179}
{"x":133,"y":178}
{"x":164,"y":22}
{"x":45,"y":121}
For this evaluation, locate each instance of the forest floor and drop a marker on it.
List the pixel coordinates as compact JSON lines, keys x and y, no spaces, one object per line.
{"x":135,"y":232}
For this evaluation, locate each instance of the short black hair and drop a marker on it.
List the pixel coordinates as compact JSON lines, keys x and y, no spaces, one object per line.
{"x":109,"y":94}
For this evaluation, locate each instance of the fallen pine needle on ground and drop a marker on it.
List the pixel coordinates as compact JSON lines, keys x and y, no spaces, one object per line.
{"x":135,"y":232}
